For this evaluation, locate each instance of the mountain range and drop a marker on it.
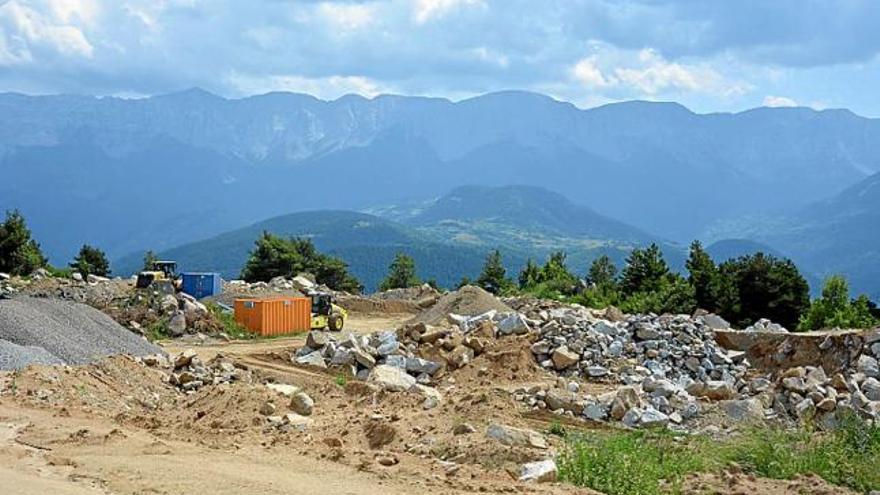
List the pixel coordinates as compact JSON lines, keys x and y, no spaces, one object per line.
{"x":165,"y":171}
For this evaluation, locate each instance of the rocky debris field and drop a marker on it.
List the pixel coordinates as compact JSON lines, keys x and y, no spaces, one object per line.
{"x":47,"y":331}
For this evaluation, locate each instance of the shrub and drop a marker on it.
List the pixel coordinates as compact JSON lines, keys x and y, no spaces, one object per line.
{"x":401,"y":274}
{"x":19,"y":253}
{"x":91,"y":261}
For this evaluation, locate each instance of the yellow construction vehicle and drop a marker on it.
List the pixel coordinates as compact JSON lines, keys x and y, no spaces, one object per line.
{"x":162,"y":277}
{"x":326,"y":314}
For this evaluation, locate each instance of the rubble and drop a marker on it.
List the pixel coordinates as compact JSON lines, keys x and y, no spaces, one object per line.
{"x":189,"y":373}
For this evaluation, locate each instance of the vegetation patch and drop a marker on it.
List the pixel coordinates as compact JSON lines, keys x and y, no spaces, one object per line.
{"x":654,"y":461}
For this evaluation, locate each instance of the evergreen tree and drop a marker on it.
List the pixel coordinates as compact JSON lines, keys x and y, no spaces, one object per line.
{"x":150,"y":258}
{"x":835,"y":310}
{"x":464,"y":281}
{"x":91,"y":261}
{"x":645,"y":271}
{"x":530,"y":275}
{"x":603,"y":272}
{"x":493,"y":277}
{"x":274,"y":256}
{"x":761,"y":286}
{"x":19,"y":253}
{"x":703,"y":273}
{"x":401,"y":273}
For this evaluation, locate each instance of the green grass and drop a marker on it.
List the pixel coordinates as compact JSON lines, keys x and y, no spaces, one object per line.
{"x":652,"y":462}
{"x":629,"y":463}
{"x":158,"y":330}
{"x":230,"y":327}
{"x":341,"y":380}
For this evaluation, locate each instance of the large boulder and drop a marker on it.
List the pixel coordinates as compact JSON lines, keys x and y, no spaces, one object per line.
{"x":563,"y":358}
{"x":391,"y":378}
{"x":516,"y":437}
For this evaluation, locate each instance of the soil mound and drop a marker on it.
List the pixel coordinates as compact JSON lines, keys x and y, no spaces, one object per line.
{"x":467,"y":301}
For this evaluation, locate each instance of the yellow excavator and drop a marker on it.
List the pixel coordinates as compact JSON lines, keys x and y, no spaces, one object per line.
{"x":162,"y":277}
{"x":326,"y":314}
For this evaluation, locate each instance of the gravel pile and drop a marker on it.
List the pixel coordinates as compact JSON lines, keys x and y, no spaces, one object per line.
{"x":46,"y":331}
{"x":467,"y":301}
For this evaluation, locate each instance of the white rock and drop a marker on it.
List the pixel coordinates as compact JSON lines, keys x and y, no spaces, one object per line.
{"x":539,"y":472}
{"x":391,"y":378}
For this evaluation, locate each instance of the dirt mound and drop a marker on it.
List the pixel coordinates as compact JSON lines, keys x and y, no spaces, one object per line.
{"x":372,"y":305}
{"x":467,"y":301}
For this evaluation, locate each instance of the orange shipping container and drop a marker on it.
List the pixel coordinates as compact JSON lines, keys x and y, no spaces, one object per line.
{"x":274,"y":316}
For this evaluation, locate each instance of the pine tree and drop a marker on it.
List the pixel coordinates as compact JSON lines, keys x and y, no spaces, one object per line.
{"x":19,"y":253}
{"x":645,"y":271}
{"x":603,"y":272}
{"x":91,"y":261}
{"x":530,"y":275}
{"x":493,"y":277}
{"x":702,"y":274}
{"x":401,"y":274}
{"x":274,"y":256}
{"x":835,"y":310}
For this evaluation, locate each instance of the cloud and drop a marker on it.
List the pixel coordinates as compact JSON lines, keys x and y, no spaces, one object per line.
{"x":648,"y":73}
{"x":348,"y":17}
{"x":427,"y":10}
{"x":778,"y":101}
{"x":327,"y":88}
{"x":43,"y":28}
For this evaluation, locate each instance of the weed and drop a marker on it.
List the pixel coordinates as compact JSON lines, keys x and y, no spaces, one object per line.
{"x":628,"y":463}
{"x":650,"y":462}
{"x":158,"y":330}
{"x":341,"y":380}
{"x":227,"y":320}
{"x":557,"y":429}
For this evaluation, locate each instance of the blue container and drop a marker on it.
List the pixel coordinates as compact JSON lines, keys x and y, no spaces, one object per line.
{"x":201,"y":285}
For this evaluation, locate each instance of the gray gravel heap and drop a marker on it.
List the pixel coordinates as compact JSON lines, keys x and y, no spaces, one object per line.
{"x":48,"y":331}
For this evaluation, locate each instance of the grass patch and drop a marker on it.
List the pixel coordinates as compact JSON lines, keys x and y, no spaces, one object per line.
{"x":629,"y":463}
{"x":341,"y":380}
{"x":227,"y":320}
{"x":158,"y":330}
{"x":557,"y":429}
{"x":652,"y":462}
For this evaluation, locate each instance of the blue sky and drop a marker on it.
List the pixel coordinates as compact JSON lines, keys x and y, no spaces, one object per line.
{"x":709,"y":55}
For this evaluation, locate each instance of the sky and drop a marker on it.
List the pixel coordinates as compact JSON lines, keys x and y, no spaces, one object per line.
{"x":710,"y":55}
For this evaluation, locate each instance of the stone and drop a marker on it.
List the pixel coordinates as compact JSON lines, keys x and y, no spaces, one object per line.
{"x":283,"y":389}
{"x":184,"y":358}
{"x":743,"y":410}
{"x":563,"y":358}
{"x":653,"y":417}
{"x":869,"y":366}
{"x":379,"y":433}
{"x":267,"y":409}
{"x":871,"y":388}
{"x":314,"y":359}
{"x":516,"y":437}
{"x":596,"y":371}
{"x":805,"y":409}
{"x":460,"y":357}
{"x":595,"y":411}
{"x":301,"y":403}
{"x":716,"y":322}
{"x":463,"y":429}
{"x":296,"y":421}
{"x":538,"y":472}
{"x":391,"y":378}
{"x":388,"y":348}
{"x":433,"y":335}
{"x":317,"y":339}
{"x":562,"y":399}
{"x":795,"y":384}
{"x":177,"y":324}
{"x":827,"y":404}
{"x":76,"y":276}
{"x":712,"y":389}
{"x":625,"y":399}
{"x":363,"y":358}
{"x":418,"y":366}
{"x":341,"y":357}
{"x":513,"y":324}
{"x":632,"y":417}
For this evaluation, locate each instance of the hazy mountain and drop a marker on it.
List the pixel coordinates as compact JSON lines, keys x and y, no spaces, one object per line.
{"x":726,"y":249}
{"x":448,"y":237}
{"x":838,"y":235}
{"x":156,"y":172}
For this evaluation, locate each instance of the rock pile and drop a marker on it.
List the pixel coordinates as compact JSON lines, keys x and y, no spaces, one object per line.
{"x":190,"y":373}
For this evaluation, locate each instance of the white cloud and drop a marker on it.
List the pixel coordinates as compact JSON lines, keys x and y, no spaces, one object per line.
{"x":348,"y":17}
{"x":646,"y":73}
{"x":41,"y":29}
{"x":778,"y":101}
{"x":327,"y":88}
{"x":588,"y":73}
{"x":426,"y":10}
{"x":68,"y":11}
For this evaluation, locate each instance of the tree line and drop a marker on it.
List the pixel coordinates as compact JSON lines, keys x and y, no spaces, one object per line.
{"x":741,"y":290}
